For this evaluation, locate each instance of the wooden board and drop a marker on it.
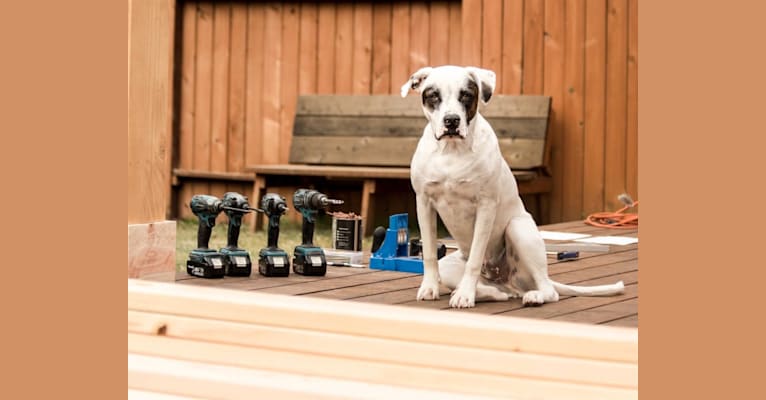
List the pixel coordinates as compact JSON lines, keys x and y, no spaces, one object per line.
{"x":151,"y":251}
{"x":150,"y":112}
{"x":595,"y":76}
{"x":394,"y":151}
{"x":616,"y":103}
{"x":385,"y":322}
{"x":573,"y":111}
{"x":381,"y":48}
{"x":168,"y":378}
{"x":512,"y":52}
{"x":532,"y":106}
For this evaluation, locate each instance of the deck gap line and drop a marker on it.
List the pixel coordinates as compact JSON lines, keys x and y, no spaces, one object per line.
{"x":591,"y":308}
{"x":302,"y":282}
{"x":615,"y":319}
{"x":354,"y":285}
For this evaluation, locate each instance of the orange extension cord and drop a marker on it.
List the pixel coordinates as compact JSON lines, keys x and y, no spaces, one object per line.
{"x":618,"y":219}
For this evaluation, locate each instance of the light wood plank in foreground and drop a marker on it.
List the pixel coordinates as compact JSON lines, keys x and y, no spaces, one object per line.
{"x":504,"y":363}
{"x":384,"y":321}
{"x":186,"y":378}
{"x":469,"y":383}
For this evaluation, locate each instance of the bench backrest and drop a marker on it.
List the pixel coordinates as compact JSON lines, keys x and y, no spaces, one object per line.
{"x":383,"y":130}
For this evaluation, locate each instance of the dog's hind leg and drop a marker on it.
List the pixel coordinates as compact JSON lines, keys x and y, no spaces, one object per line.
{"x":451,"y":270}
{"x":528,"y":249}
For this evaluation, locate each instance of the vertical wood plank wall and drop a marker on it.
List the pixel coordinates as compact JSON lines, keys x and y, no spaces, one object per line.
{"x":150,"y":44}
{"x":243,"y":65}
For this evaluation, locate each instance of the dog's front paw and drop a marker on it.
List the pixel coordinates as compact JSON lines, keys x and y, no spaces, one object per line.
{"x":429,"y":290}
{"x":462,"y":298}
{"x":533,"y":298}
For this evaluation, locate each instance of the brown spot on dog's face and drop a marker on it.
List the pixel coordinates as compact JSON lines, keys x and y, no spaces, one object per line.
{"x":469,"y":98}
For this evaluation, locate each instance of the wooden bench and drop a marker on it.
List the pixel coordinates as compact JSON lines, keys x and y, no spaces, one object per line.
{"x":369,"y":138}
{"x":219,"y":343}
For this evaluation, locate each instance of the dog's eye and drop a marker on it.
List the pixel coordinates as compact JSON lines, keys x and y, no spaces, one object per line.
{"x":465,"y":96}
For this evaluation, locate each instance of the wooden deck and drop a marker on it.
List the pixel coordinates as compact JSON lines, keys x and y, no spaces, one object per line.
{"x":389,"y":287}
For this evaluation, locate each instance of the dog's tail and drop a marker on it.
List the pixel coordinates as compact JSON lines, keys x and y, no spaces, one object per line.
{"x":600,"y":290}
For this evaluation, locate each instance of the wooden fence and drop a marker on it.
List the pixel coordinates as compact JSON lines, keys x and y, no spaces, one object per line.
{"x":241,"y":67}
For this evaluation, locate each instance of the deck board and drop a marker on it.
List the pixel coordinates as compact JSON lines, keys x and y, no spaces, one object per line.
{"x":389,"y":287}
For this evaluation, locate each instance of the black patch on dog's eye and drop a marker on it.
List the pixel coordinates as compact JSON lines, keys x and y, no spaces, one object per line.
{"x":431,"y":98}
{"x":469,"y":98}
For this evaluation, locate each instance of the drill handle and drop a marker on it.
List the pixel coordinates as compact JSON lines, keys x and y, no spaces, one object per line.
{"x":203,"y":233}
{"x":308,"y":231}
{"x":273,"y":237}
{"x":232,"y":237}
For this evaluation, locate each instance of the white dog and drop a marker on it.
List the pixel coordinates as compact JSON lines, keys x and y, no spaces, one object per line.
{"x":459,"y":172}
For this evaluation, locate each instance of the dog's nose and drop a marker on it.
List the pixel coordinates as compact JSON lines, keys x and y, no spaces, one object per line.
{"x":451,"y":121}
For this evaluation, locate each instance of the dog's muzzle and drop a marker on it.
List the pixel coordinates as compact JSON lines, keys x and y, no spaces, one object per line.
{"x":451,"y":124}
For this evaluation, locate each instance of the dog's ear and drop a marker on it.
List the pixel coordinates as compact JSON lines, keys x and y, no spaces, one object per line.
{"x":485,"y":79}
{"x":415,"y":80}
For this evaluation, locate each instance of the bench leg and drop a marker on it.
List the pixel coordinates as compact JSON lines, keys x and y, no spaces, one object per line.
{"x":543,"y":207}
{"x":256,"y":220}
{"x":367,"y":190}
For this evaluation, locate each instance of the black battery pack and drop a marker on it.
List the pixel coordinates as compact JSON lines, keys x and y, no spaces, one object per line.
{"x":273,"y":262}
{"x":205,"y":264}
{"x":236,"y":262}
{"x":309,"y":260}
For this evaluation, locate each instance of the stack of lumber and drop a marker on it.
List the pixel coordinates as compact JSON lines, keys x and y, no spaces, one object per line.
{"x":190,"y":341}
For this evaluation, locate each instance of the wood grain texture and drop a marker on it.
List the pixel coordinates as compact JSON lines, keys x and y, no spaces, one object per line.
{"x":419,"y":35}
{"x":400,"y":45}
{"x":326,"y":48}
{"x":439,"y":39}
{"x":595,"y":106}
{"x":149,"y":110}
{"x":362,"y":49}
{"x":289,"y":75}
{"x":203,"y":94}
{"x":513,"y":42}
{"x":471,"y":31}
{"x":254,"y":102}
{"x":573,"y":115}
{"x":491,"y":41}
{"x":237,"y":88}
{"x":185,"y":147}
{"x":309,"y":29}
{"x":219,"y":111}
{"x":534,"y":34}
{"x":344,"y":50}
{"x":168,"y":378}
{"x":272,"y":83}
{"x":299,"y":312}
{"x":616,"y":102}
{"x":553,"y":86}
{"x":631,"y":144}
{"x":152,"y":251}
{"x":455,"y":33}
{"x":381,"y":48}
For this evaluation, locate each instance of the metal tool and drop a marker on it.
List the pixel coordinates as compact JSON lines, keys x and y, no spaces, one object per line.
{"x":309,"y":259}
{"x":273,"y":261}
{"x":392,"y":252}
{"x":564,"y":255}
{"x":204,"y":261}
{"x":236,"y":260}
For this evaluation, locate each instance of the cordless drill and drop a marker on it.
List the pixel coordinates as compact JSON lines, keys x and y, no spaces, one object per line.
{"x":307,"y":258}
{"x":203,"y":261}
{"x":273,"y":261}
{"x":236,"y":260}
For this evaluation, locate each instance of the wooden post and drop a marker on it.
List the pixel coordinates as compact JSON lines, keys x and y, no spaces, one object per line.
{"x":367,"y":190}
{"x":151,"y":239}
